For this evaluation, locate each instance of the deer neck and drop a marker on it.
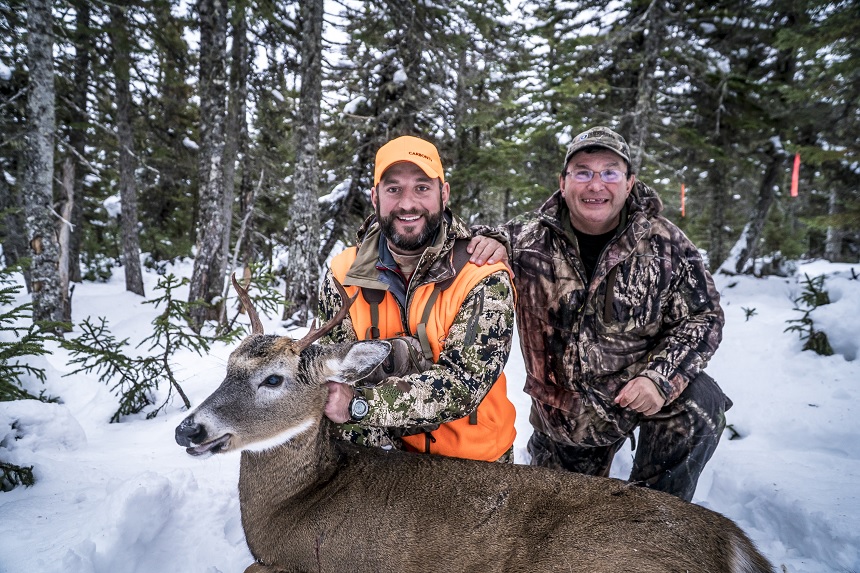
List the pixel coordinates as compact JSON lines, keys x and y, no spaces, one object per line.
{"x":271,"y":477}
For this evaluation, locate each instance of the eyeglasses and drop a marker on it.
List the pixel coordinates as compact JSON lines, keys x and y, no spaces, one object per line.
{"x":586,"y":175}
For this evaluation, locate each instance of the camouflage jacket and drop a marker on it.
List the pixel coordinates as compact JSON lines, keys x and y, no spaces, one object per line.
{"x":651,"y":309}
{"x":473,"y":355}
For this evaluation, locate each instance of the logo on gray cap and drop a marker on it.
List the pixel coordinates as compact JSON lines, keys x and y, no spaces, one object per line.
{"x":598,"y":137}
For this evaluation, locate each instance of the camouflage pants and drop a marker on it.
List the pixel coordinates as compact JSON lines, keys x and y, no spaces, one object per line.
{"x":674,"y":444}
{"x":507,"y":457}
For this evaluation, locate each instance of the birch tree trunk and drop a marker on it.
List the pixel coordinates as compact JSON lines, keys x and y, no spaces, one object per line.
{"x":127,"y":159}
{"x":65,"y":232}
{"x":835,"y":233}
{"x":48,"y":298}
{"x":206,"y":281}
{"x":304,"y":226}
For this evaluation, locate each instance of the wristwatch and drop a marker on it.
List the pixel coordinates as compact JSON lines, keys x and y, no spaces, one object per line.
{"x":358,"y":407}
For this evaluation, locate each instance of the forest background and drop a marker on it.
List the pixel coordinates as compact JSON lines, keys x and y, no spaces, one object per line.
{"x":241,"y":133}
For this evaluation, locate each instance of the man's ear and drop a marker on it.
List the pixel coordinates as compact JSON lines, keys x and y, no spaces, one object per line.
{"x":630,"y":183}
{"x":373,"y":196}
{"x":446,"y":193}
{"x":362,"y":358}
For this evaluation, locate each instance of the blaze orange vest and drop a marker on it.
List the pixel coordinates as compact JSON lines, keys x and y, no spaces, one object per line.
{"x":493,"y":433}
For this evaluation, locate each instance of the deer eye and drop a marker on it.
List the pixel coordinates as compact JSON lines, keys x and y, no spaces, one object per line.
{"x":273,"y":380}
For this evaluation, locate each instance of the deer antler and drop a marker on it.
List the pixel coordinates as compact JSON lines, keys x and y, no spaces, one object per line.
{"x":256,"y":325}
{"x":316,"y":333}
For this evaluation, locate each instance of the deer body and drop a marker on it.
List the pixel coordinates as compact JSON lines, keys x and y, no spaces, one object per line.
{"x":313,"y":503}
{"x":370,"y":510}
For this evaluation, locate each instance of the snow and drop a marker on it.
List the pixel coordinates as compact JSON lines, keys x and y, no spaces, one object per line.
{"x":113,"y":206}
{"x":338,"y":193}
{"x":124,"y":498}
{"x":400,"y":77}
{"x":352,"y":106}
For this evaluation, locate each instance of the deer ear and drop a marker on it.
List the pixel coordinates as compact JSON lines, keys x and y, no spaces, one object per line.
{"x":362,"y":359}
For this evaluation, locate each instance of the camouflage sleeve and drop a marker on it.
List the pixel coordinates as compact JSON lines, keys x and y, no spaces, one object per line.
{"x":472,"y":358}
{"x":500,"y":234}
{"x":693,"y":325}
{"x":329,"y":303}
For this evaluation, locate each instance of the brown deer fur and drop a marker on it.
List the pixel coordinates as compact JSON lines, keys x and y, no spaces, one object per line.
{"x":310,"y":503}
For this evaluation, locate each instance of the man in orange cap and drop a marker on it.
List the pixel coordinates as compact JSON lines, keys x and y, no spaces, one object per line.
{"x":450,"y":322}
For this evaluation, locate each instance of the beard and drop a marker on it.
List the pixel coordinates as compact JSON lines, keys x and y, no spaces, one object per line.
{"x":407,"y":243}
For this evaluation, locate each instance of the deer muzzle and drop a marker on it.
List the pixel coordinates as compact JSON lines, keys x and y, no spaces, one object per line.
{"x":189,"y":433}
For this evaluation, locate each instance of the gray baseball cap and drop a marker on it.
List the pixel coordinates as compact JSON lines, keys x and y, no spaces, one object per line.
{"x":598,"y":137}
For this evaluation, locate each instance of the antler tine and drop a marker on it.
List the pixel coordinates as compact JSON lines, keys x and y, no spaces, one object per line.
{"x":314,"y":333}
{"x":256,"y":325}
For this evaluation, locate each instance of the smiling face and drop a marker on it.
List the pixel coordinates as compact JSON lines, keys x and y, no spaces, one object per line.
{"x":409,"y":206}
{"x":595,"y":205}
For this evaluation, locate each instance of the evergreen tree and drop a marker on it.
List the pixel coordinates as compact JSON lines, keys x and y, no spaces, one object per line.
{"x":827,"y":93}
{"x":168,"y":137}
{"x":13,"y":122}
{"x":73,"y":122}
{"x":716,"y":96}
{"x":119,"y":34}
{"x":485,"y":168}
{"x":267,"y":167}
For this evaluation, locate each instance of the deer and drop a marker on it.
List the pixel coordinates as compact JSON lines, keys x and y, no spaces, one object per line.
{"x":310,"y":502}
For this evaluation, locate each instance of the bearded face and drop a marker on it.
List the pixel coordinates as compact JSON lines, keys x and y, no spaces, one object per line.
{"x":409,"y":206}
{"x":410,"y":230}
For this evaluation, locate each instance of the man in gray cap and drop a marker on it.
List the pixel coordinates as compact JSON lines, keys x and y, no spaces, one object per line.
{"x":618,"y":316}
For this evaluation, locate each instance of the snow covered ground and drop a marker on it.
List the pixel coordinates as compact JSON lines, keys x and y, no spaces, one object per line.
{"x":124,"y":498}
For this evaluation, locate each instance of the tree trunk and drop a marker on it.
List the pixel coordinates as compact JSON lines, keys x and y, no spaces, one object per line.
{"x":65,"y":233}
{"x":304,"y":226}
{"x":835,"y":233}
{"x":640,"y":123}
{"x":716,"y":230}
{"x":77,"y":130}
{"x":39,"y":168}
{"x":206,"y":282}
{"x":248,"y":190}
{"x":236,"y":130}
{"x":14,"y":234}
{"x":755,"y":227}
{"x":127,"y":160}
{"x":717,"y":182}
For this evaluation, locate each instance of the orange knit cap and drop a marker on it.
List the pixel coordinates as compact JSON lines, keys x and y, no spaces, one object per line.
{"x":412,"y":149}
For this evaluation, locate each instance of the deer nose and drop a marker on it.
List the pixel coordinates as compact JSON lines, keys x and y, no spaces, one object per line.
{"x":190,"y":432}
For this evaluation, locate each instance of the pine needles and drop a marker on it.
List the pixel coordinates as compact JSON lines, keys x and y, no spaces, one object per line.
{"x":135,"y":379}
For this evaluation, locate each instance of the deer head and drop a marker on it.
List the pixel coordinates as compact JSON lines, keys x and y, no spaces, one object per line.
{"x":274,"y":388}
